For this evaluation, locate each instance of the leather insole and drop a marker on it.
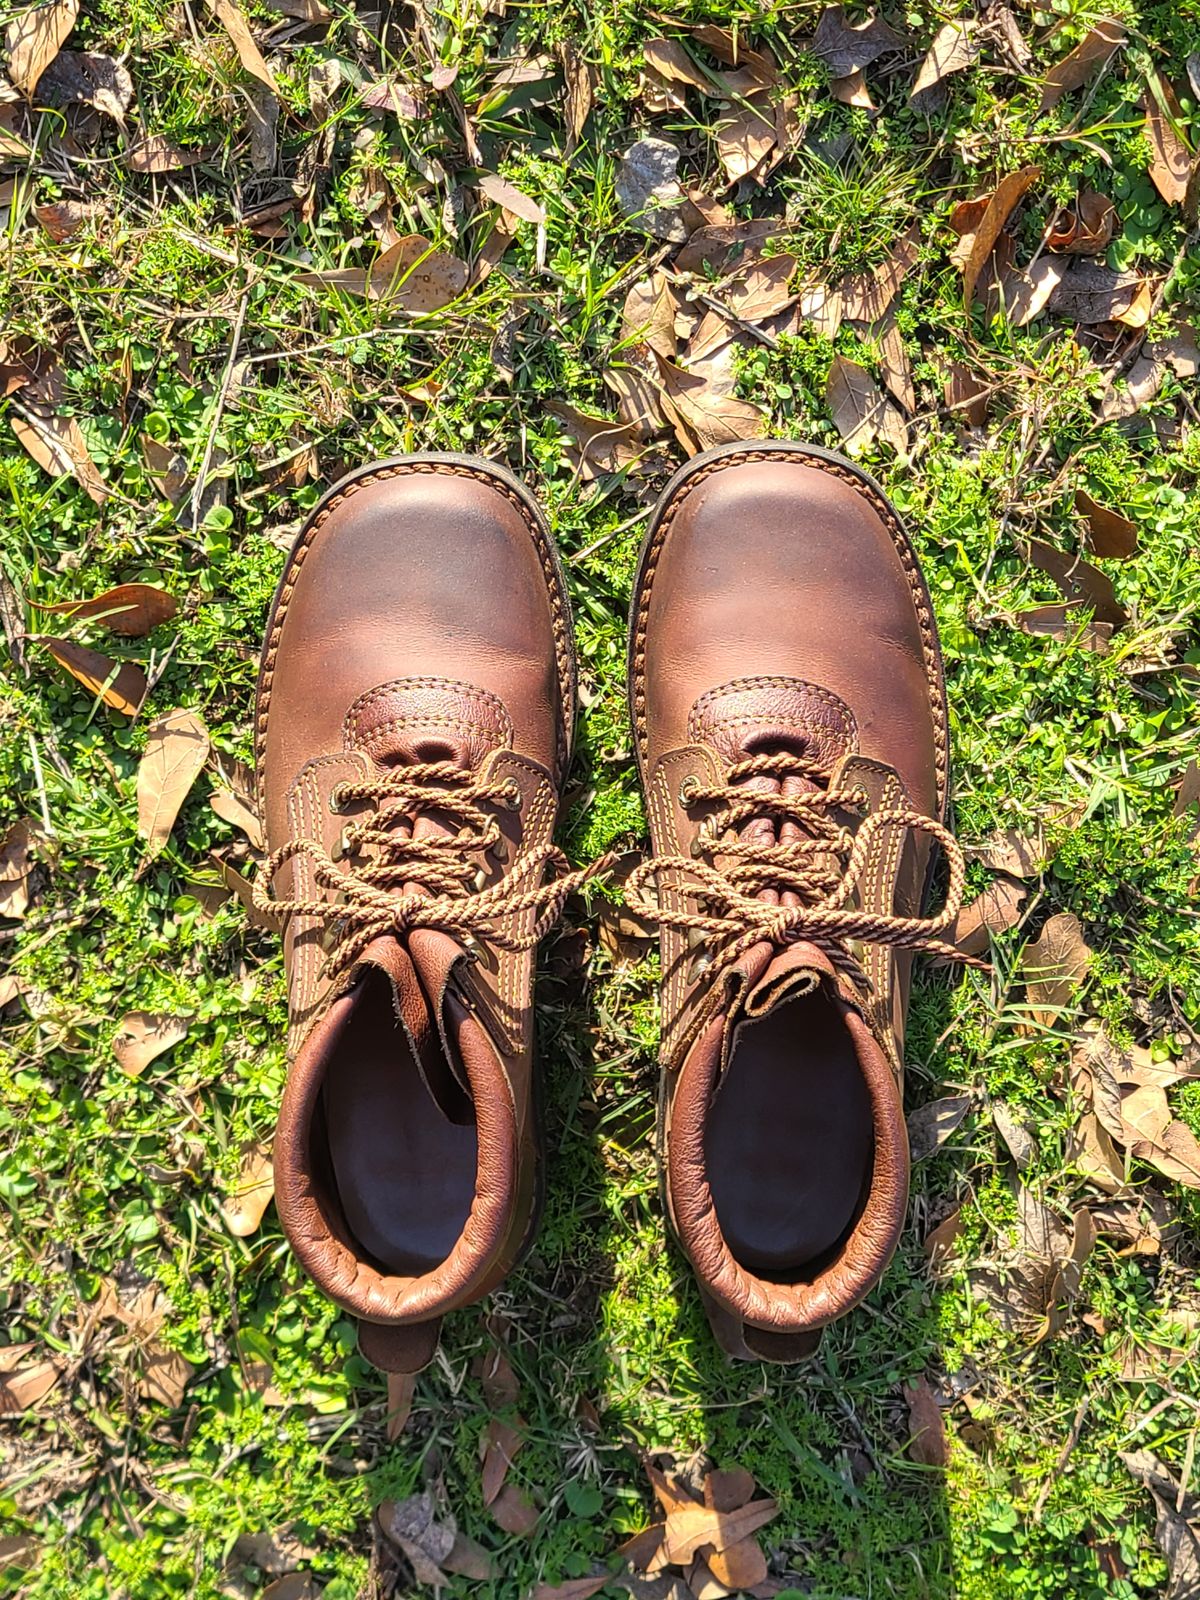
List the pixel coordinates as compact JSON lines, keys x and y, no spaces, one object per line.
{"x":404,"y":1173}
{"x":789,"y":1142}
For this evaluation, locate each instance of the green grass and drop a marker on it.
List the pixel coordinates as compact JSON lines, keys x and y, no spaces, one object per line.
{"x":108,"y":1178}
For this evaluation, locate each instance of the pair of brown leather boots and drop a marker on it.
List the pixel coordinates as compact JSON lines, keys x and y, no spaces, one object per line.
{"x":414,"y":729}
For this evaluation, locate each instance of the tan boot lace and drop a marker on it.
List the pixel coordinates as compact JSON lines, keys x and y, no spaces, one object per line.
{"x":818,"y":872}
{"x":452,"y":897}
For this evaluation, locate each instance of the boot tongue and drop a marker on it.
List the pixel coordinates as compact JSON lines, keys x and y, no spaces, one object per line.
{"x":418,"y":984}
{"x":773,"y":977}
{"x":412,"y":720}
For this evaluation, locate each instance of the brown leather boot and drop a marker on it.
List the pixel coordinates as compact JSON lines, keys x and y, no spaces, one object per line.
{"x":789,"y":714}
{"x":415,"y":711}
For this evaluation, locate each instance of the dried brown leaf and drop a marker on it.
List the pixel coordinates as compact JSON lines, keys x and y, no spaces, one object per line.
{"x":34,"y":38}
{"x":499,"y":1446}
{"x":744,"y":138}
{"x":468,"y":1559}
{"x":501,"y":1387}
{"x":239,"y":811}
{"x":927,"y":1443}
{"x":1154,"y":1135}
{"x":598,"y":444}
{"x":1177,"y":1530}
{"x":1110,"y":535}
{"x":932,"y":1124}
{"x":703,"y":415}
{"x":739,"y":1567}
{"x":1019,"y":853}
{"x":514,"y":1511}
{"x":292,"y":1586}
{"x":1094,"y":50}
{"x":1068,"y":624}
{"x":23,"y":1387}
{"x":165,"y":1375}
{"x":728,"y":1488}
{"x":852,"y":91}
{"x":85,"y":77}
{"x":1171,"y":159}
{"x":848,"y":47}
{"x":866,"y":296}
{"x":1080,"y":582}
{"x":232,"y":20}
{"x":966,"y":395}
{"x":412,"y":1525}
{"x":954,"y":48}
{"x":1092,"y":292}
{"x":156,"y":153}
{"x":691,"y":1528}
{"x":572,"y":1589}
{"x":55,"y":441}
{"x":131,"y":609}
{"x":993,"y":911}
{"x":177,"y":747}
{"x":514,"y":200}
{"x":122,"y":686}
{"x":1053,"y":966}
{"x":579,"y":79}
{"x":62,"y":219}
{"x":1000,"y":206}
{"x":143,"y":1036}
{"x":1085,"y":228}
{"x":1027,"y":293}
{"x":939,"y":1243}
{"x":252,"y":1191}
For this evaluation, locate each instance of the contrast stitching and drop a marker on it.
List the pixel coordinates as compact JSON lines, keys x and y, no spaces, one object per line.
{"x":908,"y":560}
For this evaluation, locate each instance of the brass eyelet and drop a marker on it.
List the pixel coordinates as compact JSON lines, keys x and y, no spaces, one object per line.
{"x":699,"y":966}
{"x":332,"y":934}
{"x":342,"y":847}
{"x":697,"y":847}
{"x":688,"y":790}
{"x":479,"y":881}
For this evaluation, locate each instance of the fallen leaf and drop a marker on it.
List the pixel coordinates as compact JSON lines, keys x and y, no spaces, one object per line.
{"x":598,"y":444}
{"x":1171,"y":159}
{"x":311,"y":11}
{"x":499,"y":1446}
{"x":1018,"y":853}
{"x":1068,"y":624}
{"x":85,"y":77}
{"x":728,"y":1488}
{"x":1000,"y":206}
{"x":932,"y":1124}
{"x":410,"y":273}
{"x":1179,"y":351}
{"x":1094,"y":50}
{"x":993,"y":911}
{"x":927,"y":1443}
{"x":738,"y":1567}
{"x":122,"y":686}
{"x":17,"y":855}
{"x":720,"y":247}
{"x":501,"y":1387}
{"x":156,"y":153}
{"x":236,"y":26}
{"x":23,"y":1387}
{"x":389,"y":94}
{"x":648,"y":191}
{"x":277,"y":1552}
{"x":511,"y":198}
{"x":691,"y":1528}
{"x":1091,"y":292}
{"x":939,"y":1242}
{"x":1021,"y":1144}
{"x":856,"y":403}
{"x":55,"y":441}
{"x":760,"y":292}
{"x":514,"y":1511}
{"x":966,"y":395}
{"x":1053,"y":966}
{"x":34,"y":38}
{"x":143,"y":1036}
{"x":572,"y":1589}
{"x":580,"y":92}
{"x":1110,"y":535}
{"x":866,"y":296}
{"x":426,"y":1542}
{"x":1154,"y":1135}
{"x":1177,"y":1530}
{"x":1085,"y":228}
{"x":401,"y":1387}
{"x":468,"y":1559}
{"x":292,"y":1586}
{"x":131,"y":609}
{"x":954,"y":48}
{"x":1080,"y":582}
{"x":177,"y":747}
{"x":243,"y":891}
{"x":1027,"y":293}
{"x":744,"y":138}
{"x":702,"y":415}
{"x":62,"y":219}
{"x":252,"y":1191}
{"x":852,"y":91}
{"x":239,"y":811}
{"x":165,"y":1375}
{"x":1091,"y":1150}
{"x":848,"y":47}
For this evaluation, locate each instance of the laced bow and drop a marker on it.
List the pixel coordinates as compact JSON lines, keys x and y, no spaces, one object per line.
{"x":810,"y":879}
{"x":451,"y":893}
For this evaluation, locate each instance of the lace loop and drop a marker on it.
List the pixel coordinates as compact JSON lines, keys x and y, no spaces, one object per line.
{"x":780,"y":891}
{"x":364,"y":902}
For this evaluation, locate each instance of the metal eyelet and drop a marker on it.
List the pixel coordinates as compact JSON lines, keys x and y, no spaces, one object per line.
{"x":688,"y":790}
{"x":479,"y":881}
{"x":332,"y":935}
{"x":500,"y":849}
{"x":699,"y":966}
{"x":342,"y":848}
{"x":697,"y":847}
{"x":335,"y":804}
{"x":512,"y":801}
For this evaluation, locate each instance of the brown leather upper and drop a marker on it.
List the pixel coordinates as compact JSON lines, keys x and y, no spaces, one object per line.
{"x":414,"y":724}
{"x":785,"y":685}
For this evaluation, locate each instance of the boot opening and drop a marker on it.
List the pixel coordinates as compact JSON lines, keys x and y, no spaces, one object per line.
{"x":403,"y":1174}
{"x":789,"y":1141}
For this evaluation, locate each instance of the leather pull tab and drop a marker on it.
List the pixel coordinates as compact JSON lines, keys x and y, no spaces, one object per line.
{"x":399,"y":1347}
{"x":741,"y":1342}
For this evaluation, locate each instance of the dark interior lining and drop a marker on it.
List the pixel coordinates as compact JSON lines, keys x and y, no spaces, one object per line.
{"x":790,"y":1142}
{"x":403,"y":1173}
